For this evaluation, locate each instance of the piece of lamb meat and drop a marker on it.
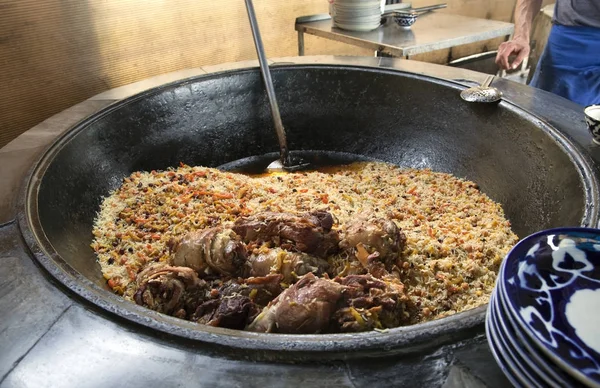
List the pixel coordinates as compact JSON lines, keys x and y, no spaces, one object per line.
{"x":170,"y":290}
{"x":290,"y":264}
{"x":261,"y":290}
{"x":231,"y":312}
{"x":372,"y":238}
{"x":304,"y":308}
{"x":238,"y":301}
{"x":309,"y":233}
{"x":368,"y":303}
{"x":218,"y":249}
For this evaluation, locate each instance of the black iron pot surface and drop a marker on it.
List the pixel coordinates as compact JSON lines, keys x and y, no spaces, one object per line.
{"x":341,"y":112}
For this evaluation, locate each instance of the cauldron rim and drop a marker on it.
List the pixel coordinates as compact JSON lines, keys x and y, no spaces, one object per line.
{"x":401,"y":340}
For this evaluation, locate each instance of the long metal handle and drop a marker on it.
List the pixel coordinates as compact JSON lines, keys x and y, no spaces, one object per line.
{"x":412,"y":11}
{"x":266,"y":75}
{"x":430,"y":8}
{"x":487,"y":81}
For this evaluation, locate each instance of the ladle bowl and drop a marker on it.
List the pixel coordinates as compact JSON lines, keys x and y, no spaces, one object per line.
{"x":482,"y":93}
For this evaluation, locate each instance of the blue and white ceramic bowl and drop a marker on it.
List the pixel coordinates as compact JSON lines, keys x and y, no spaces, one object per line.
{"x":520,"y":371}
{"x":592,"y":119}
{"x":547,"y":371}
{"x":499,"y":355}
{"x":550,"y":282}
{"x":405,"y":19}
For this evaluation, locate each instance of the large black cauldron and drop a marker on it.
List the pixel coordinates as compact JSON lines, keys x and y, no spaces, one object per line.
{"x":409,"y":120}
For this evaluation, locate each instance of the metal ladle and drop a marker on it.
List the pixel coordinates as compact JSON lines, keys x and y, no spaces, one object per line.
{"x":286,"y":161}
{"x":483,"y":93}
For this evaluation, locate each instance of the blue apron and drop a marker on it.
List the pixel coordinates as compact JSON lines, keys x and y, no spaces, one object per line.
{"x":570,"y":64}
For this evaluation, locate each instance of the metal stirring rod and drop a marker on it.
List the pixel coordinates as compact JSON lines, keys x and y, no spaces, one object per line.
{"x":266,"y":74}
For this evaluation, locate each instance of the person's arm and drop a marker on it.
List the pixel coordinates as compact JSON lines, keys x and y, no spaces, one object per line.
{"x":525,"y":11}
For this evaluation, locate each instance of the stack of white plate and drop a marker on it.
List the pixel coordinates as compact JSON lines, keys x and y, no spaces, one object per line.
{"x":543,"y":320}
{"x":357,"y":15}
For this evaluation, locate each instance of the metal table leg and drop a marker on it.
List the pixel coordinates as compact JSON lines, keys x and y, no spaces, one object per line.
{"x":301,"y":43}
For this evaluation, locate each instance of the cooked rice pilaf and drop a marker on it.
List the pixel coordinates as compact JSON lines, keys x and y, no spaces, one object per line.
{"x":456,"y":236}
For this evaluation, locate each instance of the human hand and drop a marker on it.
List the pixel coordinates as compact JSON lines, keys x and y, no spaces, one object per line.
{"x":518,"y":47}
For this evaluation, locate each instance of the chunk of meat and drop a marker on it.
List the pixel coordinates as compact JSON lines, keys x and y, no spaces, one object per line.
{"x":290,"y":264}
{"x":304,"y":308}
{"x":217,"y":249}
{"x":368,"y":303}
{"x":231,"y":312}
{"x":309,"y":233}
{"x":376,"y":236}
{"x":261,"y":290}
{"x":371,"y":262}
{"x":238,"y":301}
{"x":170,"y":290}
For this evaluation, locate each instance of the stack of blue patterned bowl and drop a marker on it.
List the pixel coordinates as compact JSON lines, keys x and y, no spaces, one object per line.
{"x":543,"y":320}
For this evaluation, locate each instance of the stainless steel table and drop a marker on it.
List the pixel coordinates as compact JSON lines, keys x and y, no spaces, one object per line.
{"x":432,"y":31}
